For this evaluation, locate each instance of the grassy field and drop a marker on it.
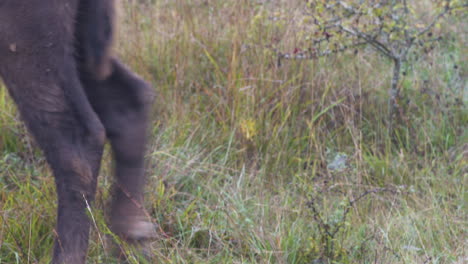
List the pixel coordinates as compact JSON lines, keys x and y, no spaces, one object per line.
{"x":252,"y":162}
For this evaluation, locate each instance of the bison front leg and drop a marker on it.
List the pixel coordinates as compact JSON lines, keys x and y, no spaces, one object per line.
{"x":72,"y":140}
{"x":73,"y":148}
{"x":76,"y":173}
{"x":122,"y":102}
{"x":53,"y":104}
{"x":38,"y":67}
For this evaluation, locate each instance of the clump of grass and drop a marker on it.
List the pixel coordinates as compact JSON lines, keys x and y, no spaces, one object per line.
{"x":240,"y":144}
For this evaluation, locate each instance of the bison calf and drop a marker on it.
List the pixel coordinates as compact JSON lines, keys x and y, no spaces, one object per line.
{"x":55,"y":61}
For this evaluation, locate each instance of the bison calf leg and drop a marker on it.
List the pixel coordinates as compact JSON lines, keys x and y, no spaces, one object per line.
{"x":122,"y":101}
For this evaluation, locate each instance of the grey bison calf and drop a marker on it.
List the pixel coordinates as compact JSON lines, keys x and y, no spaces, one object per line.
{"x":56,"y":63}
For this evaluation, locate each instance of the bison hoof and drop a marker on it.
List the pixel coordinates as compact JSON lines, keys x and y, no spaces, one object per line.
{"x":136,"y":230}
{"x":142,"y":230}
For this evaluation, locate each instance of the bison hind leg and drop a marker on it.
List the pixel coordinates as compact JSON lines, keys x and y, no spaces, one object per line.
{"x":122,"y":101}
{"x":94,"y":36}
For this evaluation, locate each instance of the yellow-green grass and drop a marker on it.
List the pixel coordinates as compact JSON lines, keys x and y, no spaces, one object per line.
{"x":240,"y":149}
